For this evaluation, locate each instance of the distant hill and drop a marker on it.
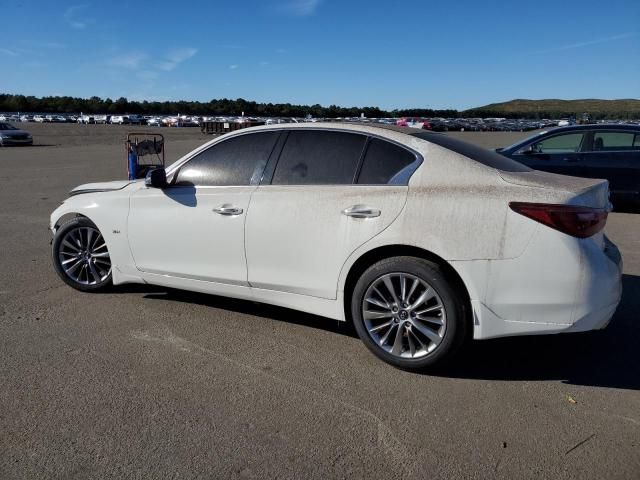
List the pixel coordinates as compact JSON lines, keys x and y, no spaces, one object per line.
{"x":554,"y":108}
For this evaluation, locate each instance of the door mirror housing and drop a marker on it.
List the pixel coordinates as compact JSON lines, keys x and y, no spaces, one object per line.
{"x":156,"y":178}
{"x":529,"y":150}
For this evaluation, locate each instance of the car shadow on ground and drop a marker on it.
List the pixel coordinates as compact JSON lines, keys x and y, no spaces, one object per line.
{"x":251,"y":308}
{"x":606,"y":358}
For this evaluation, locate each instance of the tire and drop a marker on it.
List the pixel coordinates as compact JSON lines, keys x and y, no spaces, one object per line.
{"x":81,"y":257}
{"x":424,"y":330}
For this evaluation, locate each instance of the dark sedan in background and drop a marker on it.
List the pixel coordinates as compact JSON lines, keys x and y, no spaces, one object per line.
{"x":10,"y":135}
{"x":594,"y":151}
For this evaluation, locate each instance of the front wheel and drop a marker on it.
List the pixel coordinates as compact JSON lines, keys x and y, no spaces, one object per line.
{"x":80,"y":256}
{"x":408,"y":312}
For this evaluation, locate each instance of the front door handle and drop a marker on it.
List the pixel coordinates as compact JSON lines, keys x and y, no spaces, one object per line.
{"x":228,"y":209}
{"x":361,"y":211}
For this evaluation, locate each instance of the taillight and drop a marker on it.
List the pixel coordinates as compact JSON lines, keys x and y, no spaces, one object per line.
{"x":581,"y":222}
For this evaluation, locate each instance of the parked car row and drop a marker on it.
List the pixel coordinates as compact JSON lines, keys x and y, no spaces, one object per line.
{"x":131,"y":119}
{"x":433,"y":124}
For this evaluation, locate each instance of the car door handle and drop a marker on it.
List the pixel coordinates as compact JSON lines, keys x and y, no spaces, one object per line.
{"x":570,"y":160}
{"x":361,"y":211}
{"x":228,"y":209}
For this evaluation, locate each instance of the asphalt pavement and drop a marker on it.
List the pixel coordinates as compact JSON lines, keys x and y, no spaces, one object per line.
{"x":145,"y":382}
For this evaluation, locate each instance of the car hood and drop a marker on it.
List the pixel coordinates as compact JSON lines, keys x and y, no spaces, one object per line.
{"x":100,"y":187}
{"x":13,"y":133}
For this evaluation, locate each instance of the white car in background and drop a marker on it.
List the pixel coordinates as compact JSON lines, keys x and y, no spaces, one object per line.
{"x":419,"y":239}
{"x":86,"y":119}
{"x":119,"y":120}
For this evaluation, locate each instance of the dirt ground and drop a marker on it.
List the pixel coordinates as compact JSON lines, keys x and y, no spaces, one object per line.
{"x":145,"y":382}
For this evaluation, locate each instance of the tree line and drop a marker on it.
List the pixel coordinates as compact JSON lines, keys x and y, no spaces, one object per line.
{"x":22,"y":103}
{"x":93,"y":105}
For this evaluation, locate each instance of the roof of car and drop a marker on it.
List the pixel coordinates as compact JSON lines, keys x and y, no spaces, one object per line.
{"x":485,"y":156}
{"x":597,"y":126}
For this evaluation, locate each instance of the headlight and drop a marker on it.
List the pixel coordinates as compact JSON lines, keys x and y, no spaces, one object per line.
{"x":29,"y":135}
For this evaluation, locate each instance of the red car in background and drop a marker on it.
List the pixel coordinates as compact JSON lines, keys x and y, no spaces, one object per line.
{"x":414,"y":122}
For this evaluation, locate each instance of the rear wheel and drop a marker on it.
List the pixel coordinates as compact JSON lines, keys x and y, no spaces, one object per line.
{"x":80,"y":256}
{"x":408,"y":313}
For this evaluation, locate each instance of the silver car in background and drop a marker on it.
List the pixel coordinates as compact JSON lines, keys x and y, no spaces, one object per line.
{"x":10,"y":135}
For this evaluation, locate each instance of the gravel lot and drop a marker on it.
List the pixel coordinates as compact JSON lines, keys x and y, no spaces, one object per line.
{"x":150,"y":383}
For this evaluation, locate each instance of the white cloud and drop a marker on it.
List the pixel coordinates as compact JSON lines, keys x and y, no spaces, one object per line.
{"x":264,"y":63}
{"x":6,"y":51}
{"x":175,"y":57}
{"x":589,"y":42}
{"x":130,"y":60}
{"x":233,"y":67}
{"x":73,"y":19}
{"x":300,"y":8}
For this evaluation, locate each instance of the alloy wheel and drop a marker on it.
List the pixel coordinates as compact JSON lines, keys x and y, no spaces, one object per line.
{"x":84,"y":257}
{"x":404,"y":315}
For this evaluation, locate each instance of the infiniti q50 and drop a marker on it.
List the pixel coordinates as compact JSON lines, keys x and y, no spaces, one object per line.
{"x":417,"y":238}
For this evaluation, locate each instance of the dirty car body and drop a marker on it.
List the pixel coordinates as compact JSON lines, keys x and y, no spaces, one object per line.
{"x":420,"y":239}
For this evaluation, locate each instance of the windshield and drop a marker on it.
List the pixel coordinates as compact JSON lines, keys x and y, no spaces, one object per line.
{"x":6,"y":126}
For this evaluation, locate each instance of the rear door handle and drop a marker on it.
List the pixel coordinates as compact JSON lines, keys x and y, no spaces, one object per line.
{"x":361,"y":211}
{"x":228,"y":209}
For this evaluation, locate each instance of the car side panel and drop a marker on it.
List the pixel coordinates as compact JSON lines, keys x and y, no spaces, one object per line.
{"x":622,"y":169}
{"x":109,"y":212}
{"x":297,"y":237}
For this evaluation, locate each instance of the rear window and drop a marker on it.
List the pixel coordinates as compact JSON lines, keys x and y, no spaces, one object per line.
{"x":386,"y":164}
{"x":316,"y":157}
{"x":480,"y":155}
{"x":607,"y":141}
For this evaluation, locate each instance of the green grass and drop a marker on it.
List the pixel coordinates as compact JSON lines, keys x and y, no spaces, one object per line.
{"x":595,"y":107}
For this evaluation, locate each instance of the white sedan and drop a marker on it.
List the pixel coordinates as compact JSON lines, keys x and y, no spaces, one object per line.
{"x":419,"y":239}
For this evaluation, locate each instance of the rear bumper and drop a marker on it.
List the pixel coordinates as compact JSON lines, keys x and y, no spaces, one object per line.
{"x":562,"y":285}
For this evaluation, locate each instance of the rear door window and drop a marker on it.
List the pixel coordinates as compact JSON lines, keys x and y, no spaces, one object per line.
{"x":317,"y":157}
{"x":386,"y":164}
{"x":614,"y":141}
{"x":234,"y":162}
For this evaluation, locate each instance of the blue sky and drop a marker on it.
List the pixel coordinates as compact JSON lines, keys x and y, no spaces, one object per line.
{"x":386,"y":53}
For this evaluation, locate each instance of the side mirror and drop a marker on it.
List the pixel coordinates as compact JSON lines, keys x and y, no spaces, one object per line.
{"x":529,"y":150}
{"x":156,"y":178}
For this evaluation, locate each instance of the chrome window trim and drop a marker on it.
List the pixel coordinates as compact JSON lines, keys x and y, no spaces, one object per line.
{"x":172,"y":170}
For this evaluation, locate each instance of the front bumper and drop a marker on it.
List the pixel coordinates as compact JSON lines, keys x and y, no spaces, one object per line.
{"x":6,"y":141}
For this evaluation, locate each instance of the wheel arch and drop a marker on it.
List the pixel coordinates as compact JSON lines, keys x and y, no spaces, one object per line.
{"x":66,"y":217}
{"x":397,"y":250}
